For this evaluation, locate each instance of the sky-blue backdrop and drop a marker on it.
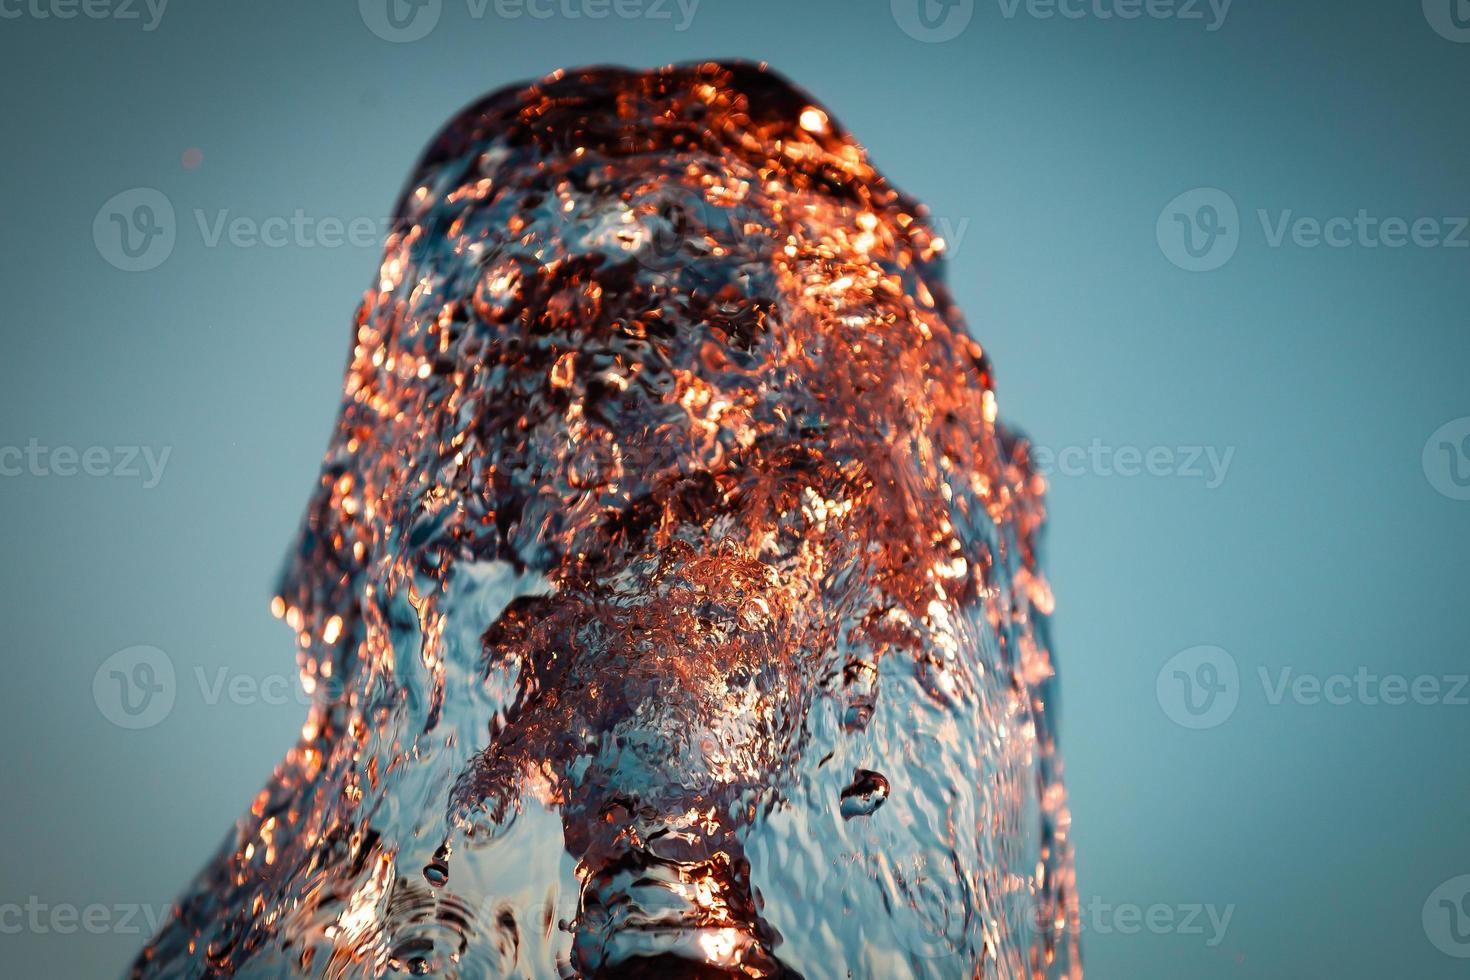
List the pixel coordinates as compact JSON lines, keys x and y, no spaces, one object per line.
{"x":1050,"y":148}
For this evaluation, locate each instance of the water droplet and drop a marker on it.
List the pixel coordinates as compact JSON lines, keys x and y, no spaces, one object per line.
{"x":864,"y":794}
{"x":436,"y":874}
{"x":856,"y":717}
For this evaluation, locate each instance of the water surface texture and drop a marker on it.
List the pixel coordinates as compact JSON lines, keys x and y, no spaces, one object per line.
{"x":670,"y":599}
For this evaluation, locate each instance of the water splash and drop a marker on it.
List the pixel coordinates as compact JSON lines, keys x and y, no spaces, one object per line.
{"x":670,"y":597}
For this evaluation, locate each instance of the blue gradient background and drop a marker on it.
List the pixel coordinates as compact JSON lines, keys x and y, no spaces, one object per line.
{"x":1050,"y":146}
